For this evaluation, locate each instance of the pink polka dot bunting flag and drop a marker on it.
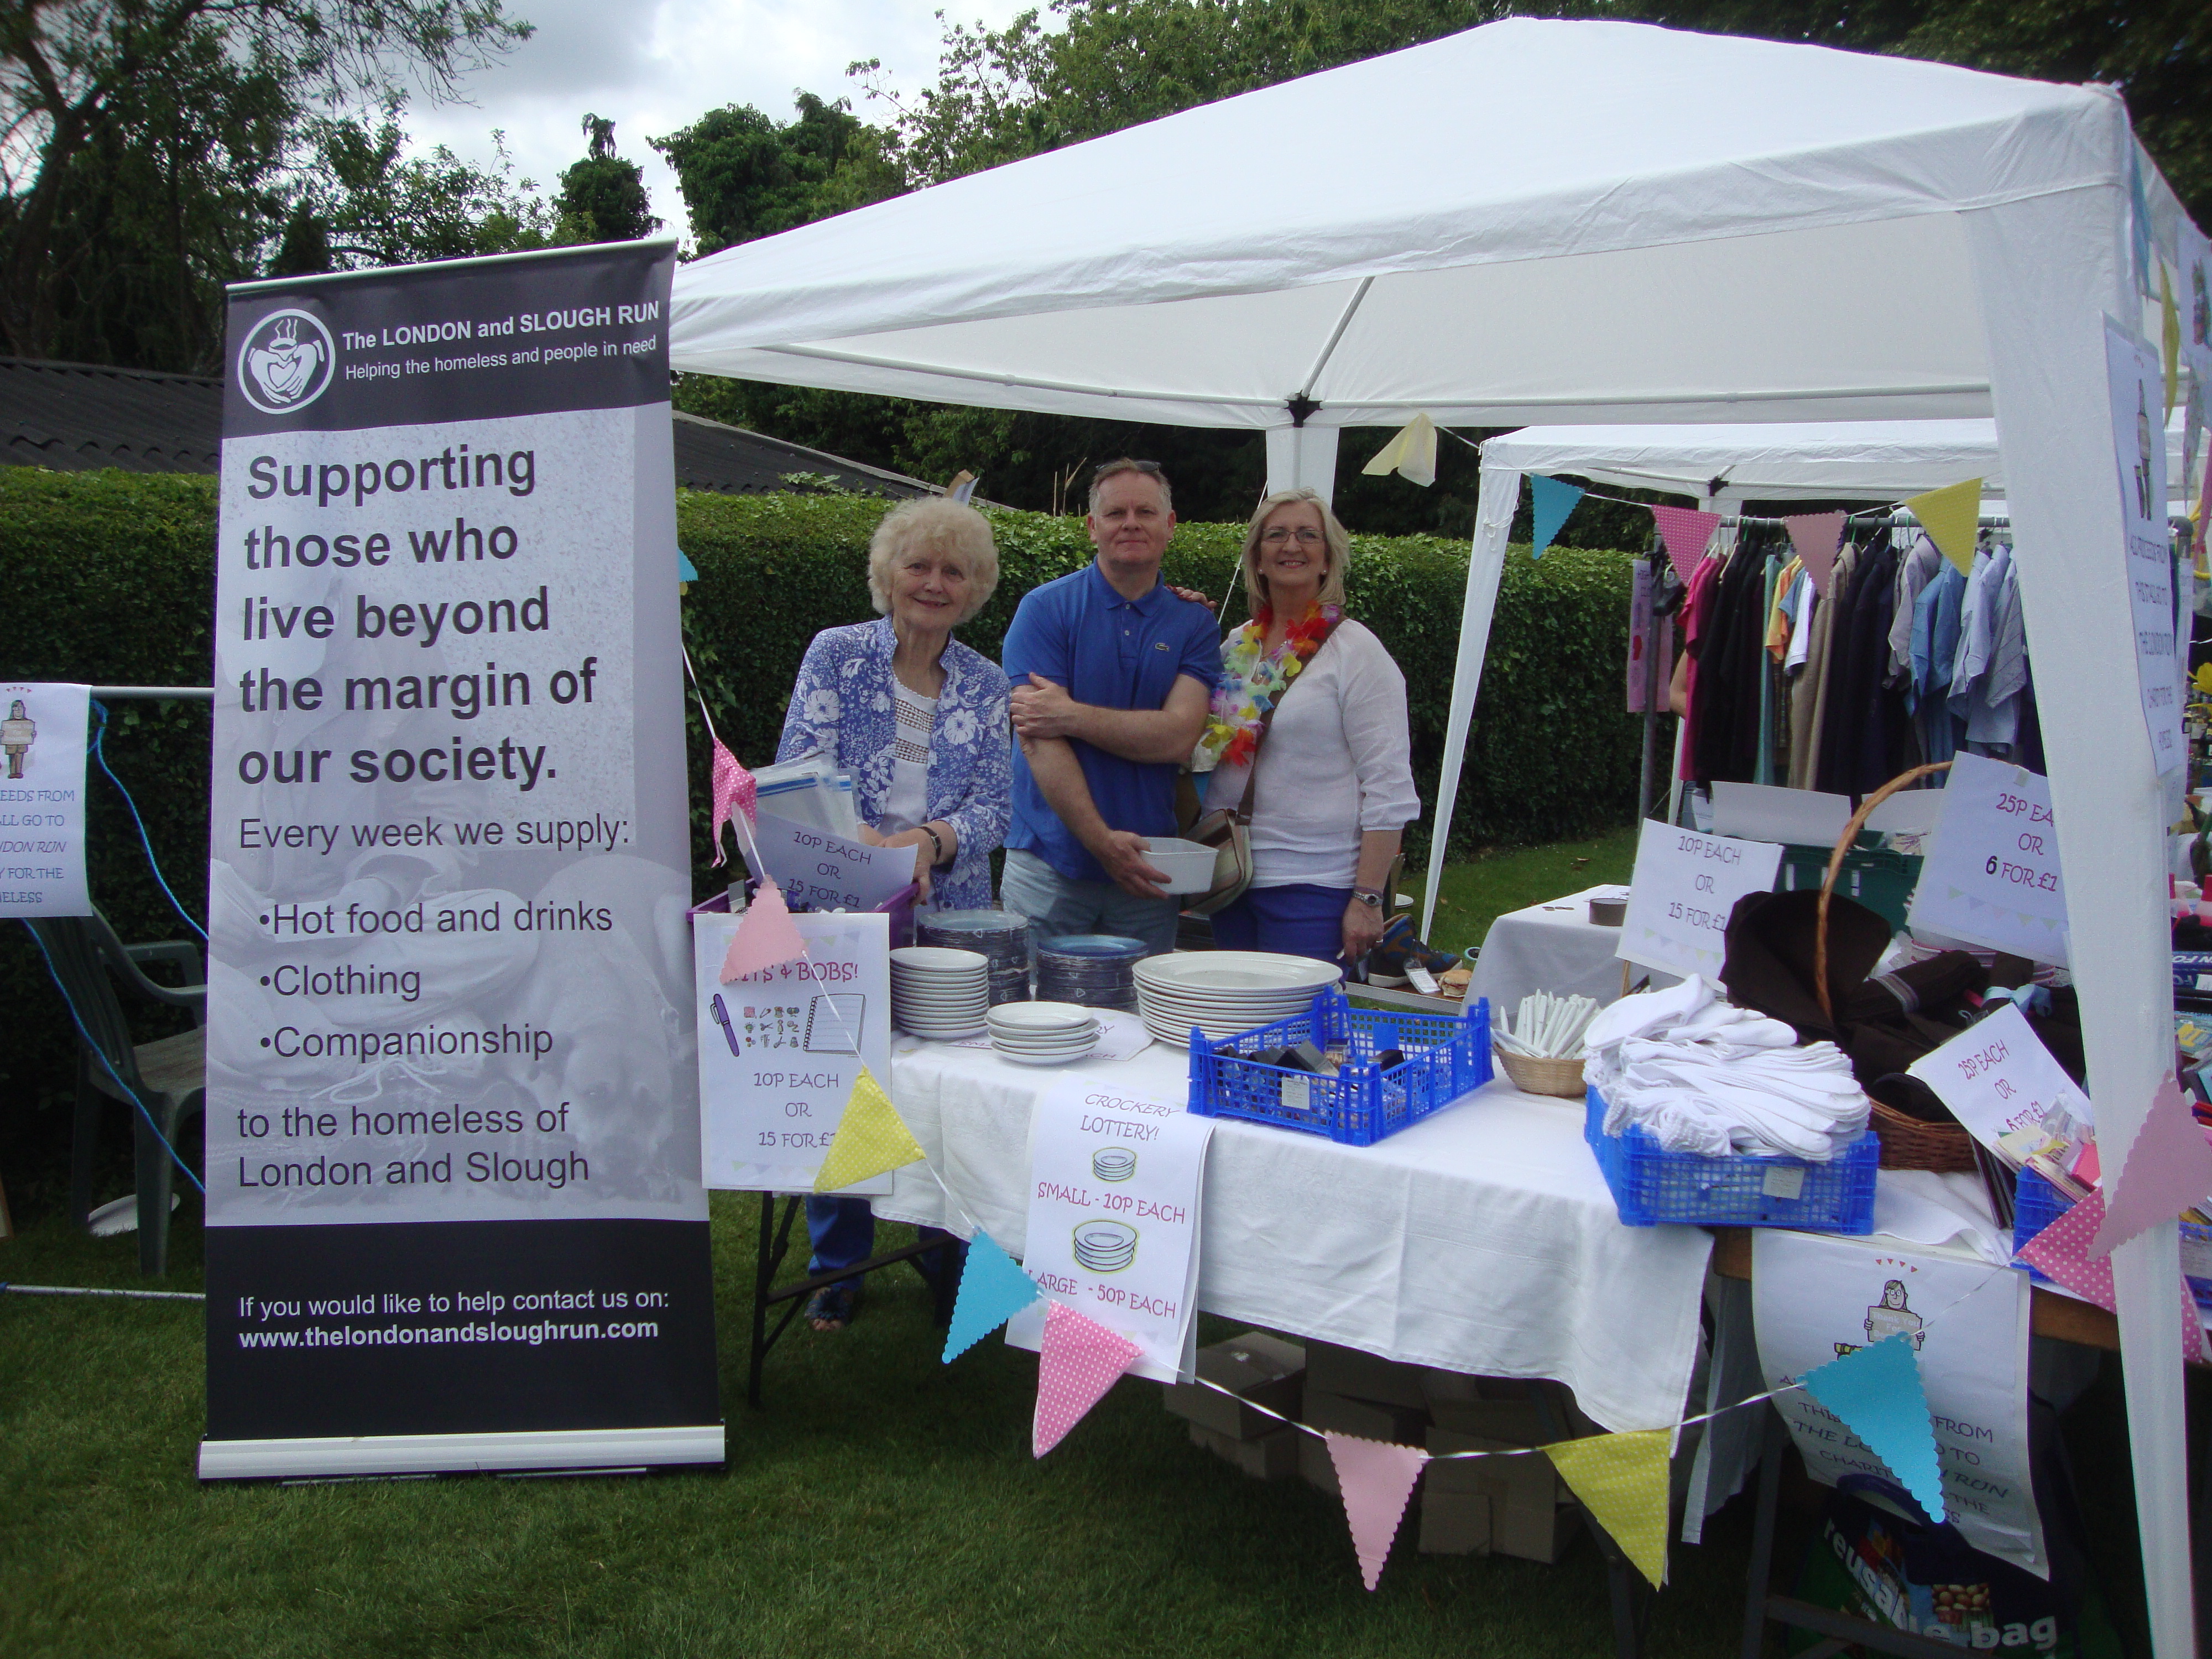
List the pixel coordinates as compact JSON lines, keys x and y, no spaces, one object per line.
{"x":767,"y":937}
{"x":2062,"y":1251}
{"x":1685,"y":532}
{"x":734,"y":792}
{"x":1077,"y":1362}
{"x":1376,"y":1478}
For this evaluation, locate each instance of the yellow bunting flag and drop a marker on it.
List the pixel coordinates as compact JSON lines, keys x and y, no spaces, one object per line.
{"x":872,"y":1138}
{"x":1622,"y":1480}
{"x":1410,"y":453}
{"x":1950,"y":516}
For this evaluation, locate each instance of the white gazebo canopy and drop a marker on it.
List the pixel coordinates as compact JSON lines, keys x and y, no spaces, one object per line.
{"x":1841,"y":461}
{"x":1590,"y":222}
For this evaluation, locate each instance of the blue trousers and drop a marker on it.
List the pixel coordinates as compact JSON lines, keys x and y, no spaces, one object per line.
{"x":1298,"y":920}
{"x":843,"y":1231}
{"x":1057,"y":906}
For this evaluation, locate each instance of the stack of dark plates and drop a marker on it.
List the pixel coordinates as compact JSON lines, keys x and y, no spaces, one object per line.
{"x":1096,"y":969}
{"x":1000,"y":936}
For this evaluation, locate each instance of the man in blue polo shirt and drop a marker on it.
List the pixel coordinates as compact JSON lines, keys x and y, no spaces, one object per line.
{"x":1112,"y":673}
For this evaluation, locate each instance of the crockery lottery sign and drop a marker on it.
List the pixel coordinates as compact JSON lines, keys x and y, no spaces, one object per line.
{"x":1679,"y":897}
{"x":1992,"y":878}
{"x":1113,"y":1218}
{"x":779,"y":1050}
{"x":818,"y":872}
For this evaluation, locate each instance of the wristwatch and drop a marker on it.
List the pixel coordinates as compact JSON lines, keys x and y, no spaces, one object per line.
{"x":937,"y":844}
{"x":1367,"y":897}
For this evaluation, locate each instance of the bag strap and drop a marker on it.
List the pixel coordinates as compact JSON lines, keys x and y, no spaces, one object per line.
{"x":1252,"y":777}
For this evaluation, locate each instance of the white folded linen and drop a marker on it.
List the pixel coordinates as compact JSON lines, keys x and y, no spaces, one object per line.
{"x":1703,"y":1076}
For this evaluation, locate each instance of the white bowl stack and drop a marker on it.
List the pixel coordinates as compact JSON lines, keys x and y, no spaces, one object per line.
{"x":939,"y":993}
{"x":1042,"y":1033}
{"x":1223,"y":993}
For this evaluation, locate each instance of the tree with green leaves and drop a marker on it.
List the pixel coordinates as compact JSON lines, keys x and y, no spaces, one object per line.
{"x":744,"y":175}
{"x":85,"y":85}
{"x":602,"y":198}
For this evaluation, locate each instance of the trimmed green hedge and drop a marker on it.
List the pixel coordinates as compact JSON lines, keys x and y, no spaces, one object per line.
{"x":110,"y":577}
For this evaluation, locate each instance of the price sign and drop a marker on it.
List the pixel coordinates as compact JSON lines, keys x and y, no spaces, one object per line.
{"x":1992,"y":878}
{"x":2137,"y":385}
{"x":1679,"y":900}
{"x":1997,"y":1076}
{"x":818,"y":872}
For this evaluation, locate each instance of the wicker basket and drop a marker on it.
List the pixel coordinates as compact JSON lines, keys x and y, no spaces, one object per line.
{"x":1544,"y":1077}
{"x":1907,"y":1143}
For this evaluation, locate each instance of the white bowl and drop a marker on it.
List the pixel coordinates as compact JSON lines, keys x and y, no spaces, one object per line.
{"x":1188,"y":864}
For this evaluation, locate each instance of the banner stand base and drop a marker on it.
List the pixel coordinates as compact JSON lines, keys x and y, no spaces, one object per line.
{"x":545,"y":1449}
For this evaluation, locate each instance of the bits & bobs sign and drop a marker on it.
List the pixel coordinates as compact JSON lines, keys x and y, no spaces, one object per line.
{"x":1992,"y":878}
{"x":1679,"y":900}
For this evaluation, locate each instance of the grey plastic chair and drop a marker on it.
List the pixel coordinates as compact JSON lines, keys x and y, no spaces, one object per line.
{"x":169,"y":1076}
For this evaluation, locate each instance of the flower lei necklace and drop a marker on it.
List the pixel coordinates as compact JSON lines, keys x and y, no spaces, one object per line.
{"x":1253,"y":679}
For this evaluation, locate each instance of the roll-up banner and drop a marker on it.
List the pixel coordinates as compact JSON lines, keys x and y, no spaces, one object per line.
{"x":455,"y":1213}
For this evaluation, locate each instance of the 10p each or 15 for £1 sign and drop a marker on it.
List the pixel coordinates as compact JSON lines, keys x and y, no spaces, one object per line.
{"x":1992,"y":878}
{"x":1679,"y":897}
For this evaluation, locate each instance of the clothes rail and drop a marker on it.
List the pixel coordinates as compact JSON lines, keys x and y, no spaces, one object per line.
{"x":154,"y":693}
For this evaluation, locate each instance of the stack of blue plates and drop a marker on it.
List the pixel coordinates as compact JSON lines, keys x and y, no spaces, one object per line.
{"x":1001,"y":936}
{"x":1095,"y":969}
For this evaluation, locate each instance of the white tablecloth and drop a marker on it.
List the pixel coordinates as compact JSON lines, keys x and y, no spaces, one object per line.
{"x":1482,"y":1239}
{"x":1552,"y":946}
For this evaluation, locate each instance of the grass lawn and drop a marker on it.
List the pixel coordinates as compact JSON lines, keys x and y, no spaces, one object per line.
{"x":882,"y":1503}
{"x":1474,"y":894}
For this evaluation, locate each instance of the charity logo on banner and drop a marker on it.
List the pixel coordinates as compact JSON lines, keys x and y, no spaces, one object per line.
{"x":1678,"y":899}
{"x":1115,"y":1182}
{"x":43,"y":736}
{"x":454,"y":1199}
{"x":781,"y":1044}
{"x":1817,"y":1299}
{"x":1991,"y":875}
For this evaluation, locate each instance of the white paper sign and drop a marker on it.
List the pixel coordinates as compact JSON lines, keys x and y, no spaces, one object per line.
{"x":1998,"y":1076}
{"x":1679,"y":897}
{"x":43,"y":729}
{"x":1991,"y":875}
{"x":818,"y":872}
{"x":1114,"y":1180}
{"x":2138,"y":394}
{"x":2195,"y":298}
{"x":1815,"y":1297}
{"x":779,"y":1050}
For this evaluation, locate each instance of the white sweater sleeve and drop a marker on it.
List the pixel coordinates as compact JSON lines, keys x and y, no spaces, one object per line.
{"x":1377,"y":732}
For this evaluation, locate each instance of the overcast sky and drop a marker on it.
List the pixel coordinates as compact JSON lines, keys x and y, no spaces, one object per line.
{"x":652,"y":66}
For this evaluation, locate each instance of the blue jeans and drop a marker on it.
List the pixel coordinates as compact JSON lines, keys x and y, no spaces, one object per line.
{"x":843,"y":1231}
{"x":1057,"y":906}
{"x":1298,"y":920}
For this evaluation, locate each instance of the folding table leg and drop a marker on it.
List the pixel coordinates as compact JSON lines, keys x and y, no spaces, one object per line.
{"x":1762,"y":1536}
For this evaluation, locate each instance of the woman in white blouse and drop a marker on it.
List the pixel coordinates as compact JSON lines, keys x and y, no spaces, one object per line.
{"x":1332,"y":788}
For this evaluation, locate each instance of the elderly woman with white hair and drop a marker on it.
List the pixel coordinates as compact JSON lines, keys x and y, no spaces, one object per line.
{"x":919,"y":719}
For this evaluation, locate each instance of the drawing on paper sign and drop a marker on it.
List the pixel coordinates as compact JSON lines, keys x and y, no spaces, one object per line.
{"x":833,"y":1024}
{"x":283,"y":366}
{"x":1112,"y":1164}
{"x":729,"y":1032}
{"x":17,"y":733}
{"x":1888,"y":1317}
{"x":2144,"y":503}
{"x":1105,"y":1247}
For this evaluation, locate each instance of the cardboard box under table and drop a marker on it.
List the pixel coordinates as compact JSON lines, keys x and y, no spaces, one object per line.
{"x":1480,"y":1240}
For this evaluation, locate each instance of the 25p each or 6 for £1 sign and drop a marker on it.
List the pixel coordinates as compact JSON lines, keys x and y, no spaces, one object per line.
{"x":1992,"y":877}
{"x":1679,"y":897}
{"x":1115,"y":1180}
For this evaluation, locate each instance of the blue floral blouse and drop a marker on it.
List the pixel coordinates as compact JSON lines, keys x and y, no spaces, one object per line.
{"x":842,"y":706}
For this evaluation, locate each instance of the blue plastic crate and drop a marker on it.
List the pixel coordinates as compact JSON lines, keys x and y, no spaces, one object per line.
{"x":1446,"y":1056}
{"x":1652,"y":1185}
{"x":2036,"y":1204}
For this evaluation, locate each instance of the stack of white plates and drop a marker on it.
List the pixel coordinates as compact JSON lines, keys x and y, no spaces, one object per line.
{"x":939,"y":993}
{"x":1042,"y":1033}
{"x":1226,"y":992}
